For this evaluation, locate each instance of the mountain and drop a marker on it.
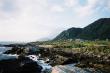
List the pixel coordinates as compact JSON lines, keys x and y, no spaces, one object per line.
{"x":99,"y":29}
{"x":71,"y":33}
{"x":44,"y":39}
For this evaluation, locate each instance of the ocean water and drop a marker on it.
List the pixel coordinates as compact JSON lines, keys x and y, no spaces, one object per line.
{"x":3,"y":49}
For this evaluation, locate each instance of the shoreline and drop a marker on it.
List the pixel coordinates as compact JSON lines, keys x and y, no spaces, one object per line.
{"x":82,"y":60}
{"x":59,"y":57}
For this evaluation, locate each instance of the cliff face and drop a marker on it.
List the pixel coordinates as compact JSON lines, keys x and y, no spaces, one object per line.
{"x":99,"y":29}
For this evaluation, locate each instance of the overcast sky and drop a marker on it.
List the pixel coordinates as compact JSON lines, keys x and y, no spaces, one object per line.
{"x":31,"y":20}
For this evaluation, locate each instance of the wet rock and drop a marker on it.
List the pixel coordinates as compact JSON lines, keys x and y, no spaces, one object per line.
{"x":58,"y":60}
{"x":69,"y":61}
{"x":81,"y":68}
{"x":21,"y":65}
{"x":72,"y":69}
{"x":32,"y":67}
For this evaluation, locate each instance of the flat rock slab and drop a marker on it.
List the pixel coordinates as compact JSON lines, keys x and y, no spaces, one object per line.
{"x":72,"y":69}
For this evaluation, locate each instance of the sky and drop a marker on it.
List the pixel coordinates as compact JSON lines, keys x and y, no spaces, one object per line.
{"x":32,"y":20}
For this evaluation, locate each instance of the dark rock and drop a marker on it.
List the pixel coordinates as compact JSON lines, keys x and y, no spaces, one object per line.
{"x":70,"y":61}
{"x":21,"y":65}
{"x":32,"y":67}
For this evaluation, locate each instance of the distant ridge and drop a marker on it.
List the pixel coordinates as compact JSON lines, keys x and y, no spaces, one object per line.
{"x":6,"y":43}
{"x":99,"y":29}
{"x":71,"y":33}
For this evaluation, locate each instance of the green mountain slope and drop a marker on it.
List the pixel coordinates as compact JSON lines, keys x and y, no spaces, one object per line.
{"x":71,"y":33}
{"x":99,"y":29}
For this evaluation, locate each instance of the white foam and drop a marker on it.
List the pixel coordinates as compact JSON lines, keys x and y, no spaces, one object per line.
{"x":33,"y":57}
{"x":40,"y":62}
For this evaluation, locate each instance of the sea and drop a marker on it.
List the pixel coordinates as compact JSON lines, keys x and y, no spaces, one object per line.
{"x":3,"y":49}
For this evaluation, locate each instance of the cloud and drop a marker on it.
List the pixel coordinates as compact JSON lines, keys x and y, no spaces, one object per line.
{"x":90,"y":8}
{"x":29,"y":20}
{"x":57,"y":8}
{"x":87,"y":9}
{"x":71,"y":3}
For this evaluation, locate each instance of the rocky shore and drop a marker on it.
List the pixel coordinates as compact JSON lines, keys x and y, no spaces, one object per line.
{"x":62,"y":57}
{"x":21,"y":59}
{"x":59,"y":53}
{"x":61,"y":60}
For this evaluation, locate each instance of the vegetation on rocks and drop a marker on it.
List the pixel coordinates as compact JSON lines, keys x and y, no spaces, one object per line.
{"x":86,"y":53}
